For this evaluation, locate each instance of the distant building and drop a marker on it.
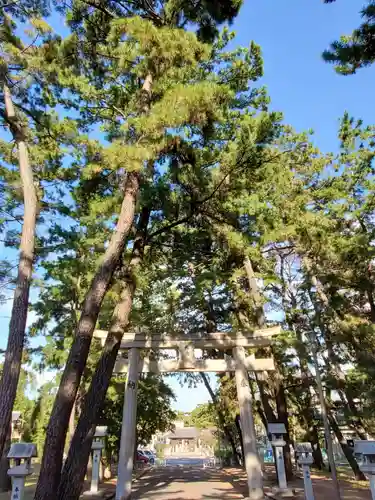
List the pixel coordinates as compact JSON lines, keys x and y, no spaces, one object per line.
{"x":186,"y":440}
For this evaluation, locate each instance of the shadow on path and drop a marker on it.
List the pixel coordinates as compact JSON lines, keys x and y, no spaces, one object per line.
{"x":186,"y":483}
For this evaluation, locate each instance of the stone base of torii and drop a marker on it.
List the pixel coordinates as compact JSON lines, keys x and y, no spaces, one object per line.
{"x":185,"y":345}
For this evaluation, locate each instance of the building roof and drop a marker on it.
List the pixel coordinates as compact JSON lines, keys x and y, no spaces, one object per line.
{"x":184,"y":433}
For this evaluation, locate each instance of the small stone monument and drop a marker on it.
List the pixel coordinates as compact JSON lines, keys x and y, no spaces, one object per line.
{"x":304,"y":454}
{"x":364,"y":452}
{"x":21,"y":454}
{"x":97,"y":447}
{"x":277,"y":432}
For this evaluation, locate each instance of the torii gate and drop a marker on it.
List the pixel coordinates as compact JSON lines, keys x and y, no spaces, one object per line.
{"x":186,"y":362}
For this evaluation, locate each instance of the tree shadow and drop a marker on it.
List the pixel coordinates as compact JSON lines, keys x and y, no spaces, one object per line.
{"x":159,"y":482}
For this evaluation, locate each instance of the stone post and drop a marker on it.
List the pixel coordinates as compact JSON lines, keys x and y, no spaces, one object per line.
{"x":277,"y":431}
{"x":305,"y":460}
{"x":252,"y":462}
{"x":95,"y":471}
{"x":127,"y":443}
{"x":309,"y":492}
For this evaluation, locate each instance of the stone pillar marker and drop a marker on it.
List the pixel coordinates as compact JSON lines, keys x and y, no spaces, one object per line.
{"x":304,"y":453}
{"x":252,"y":462}
{"x":277,"y":432}
{"x":127,"y":443}
{"x":21,"y":454}
{"x":364,"y":452}
{"x":97,"y":447}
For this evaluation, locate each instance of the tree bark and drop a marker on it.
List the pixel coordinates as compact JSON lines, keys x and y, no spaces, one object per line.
{"x":72,"y":421}
{"x":57,"y":427}
{"x":17,"y":326}
{"x":73,"y":473}
{"x":313,"y":437}
{"x":5,"y":481}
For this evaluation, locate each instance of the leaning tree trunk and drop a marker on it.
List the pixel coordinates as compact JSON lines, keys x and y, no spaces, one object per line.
{"x":17,"y":326}
{"x":73,"y":473}
{"x":332,"y":361}
{"x":347,"y":450}
{"x":58,"y":424}
{"x":312,"y":436}
{"x":50,"y":473}
{"x":221,"y":418}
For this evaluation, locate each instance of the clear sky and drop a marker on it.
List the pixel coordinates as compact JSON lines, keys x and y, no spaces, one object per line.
{"x":292,"y":35}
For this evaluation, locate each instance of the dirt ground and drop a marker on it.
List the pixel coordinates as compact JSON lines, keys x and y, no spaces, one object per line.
{"x":193,"y":483}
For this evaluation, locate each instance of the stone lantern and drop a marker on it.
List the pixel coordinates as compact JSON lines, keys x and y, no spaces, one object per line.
{"x":20,"y":454}
{"x":278,"y":432}
{"x":364,"y":452}
{"x":304,"y":454}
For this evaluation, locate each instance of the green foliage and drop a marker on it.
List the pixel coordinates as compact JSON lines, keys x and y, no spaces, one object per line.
{"x":154,"y":412}
{"x":204,"y":416}
{"x":355,"y":51}
{"x":40,"y":414}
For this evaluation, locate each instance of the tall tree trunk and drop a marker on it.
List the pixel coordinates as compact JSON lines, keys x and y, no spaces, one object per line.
{"x":262,"y":415}
{"x":5,"y":481}
{"x":73,"y":473}
{"x":265,"y":398}
{"x":282,"y":411}
{"x":333,"y":362}
{"x":312,"y":435}
{"x":57,"y":427}
{"x":211,"y":326}
{"x":280,"y":397}
{"x":17,"y":326}
{"x":221,"y":418}
{"x":50,"y":473}
{"x":347,"y":450}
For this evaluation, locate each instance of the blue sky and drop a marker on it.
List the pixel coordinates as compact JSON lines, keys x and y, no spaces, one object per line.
{"x":292,"y":35}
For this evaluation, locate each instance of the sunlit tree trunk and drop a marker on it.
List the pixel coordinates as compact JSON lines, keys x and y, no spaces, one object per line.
{"x":13,"y":355}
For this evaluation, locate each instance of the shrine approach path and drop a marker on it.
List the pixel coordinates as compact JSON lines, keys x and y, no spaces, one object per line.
{"x":185,"y":483}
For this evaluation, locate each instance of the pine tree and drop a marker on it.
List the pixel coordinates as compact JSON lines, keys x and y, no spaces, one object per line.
{"x":357,"y":50}
{"x":169,"y":57}
{"x":24,"y":88}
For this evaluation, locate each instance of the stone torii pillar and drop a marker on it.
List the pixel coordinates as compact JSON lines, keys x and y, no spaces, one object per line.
{"x":252,"y":462}
{"x":127,"y":443}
